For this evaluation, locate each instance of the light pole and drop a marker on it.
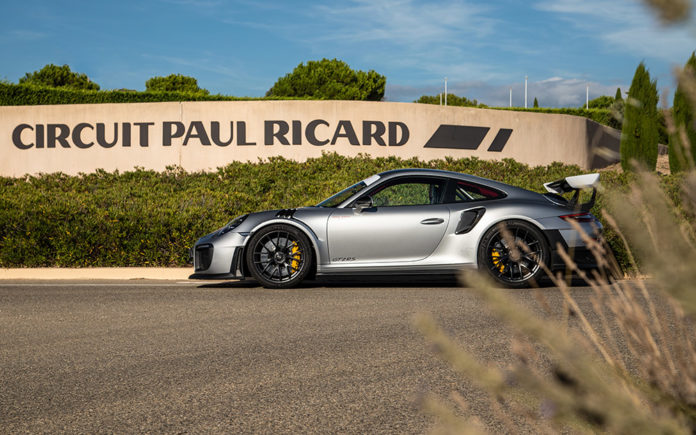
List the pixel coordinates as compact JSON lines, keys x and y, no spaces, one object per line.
{"x":525,"y":92}
{"x":510,"y":96}
{"x":445,"y":91}
{"x":587,"y":97}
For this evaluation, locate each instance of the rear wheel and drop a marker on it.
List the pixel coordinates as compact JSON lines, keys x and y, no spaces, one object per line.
{"x":279,"y":256}
{"x":495,"y":254}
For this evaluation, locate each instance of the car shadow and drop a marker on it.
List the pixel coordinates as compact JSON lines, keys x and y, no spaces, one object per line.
{"x":379,"y":281}
{"x":350,"y":281}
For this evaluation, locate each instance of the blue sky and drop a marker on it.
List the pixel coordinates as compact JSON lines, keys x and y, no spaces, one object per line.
{"x":241,"y":47}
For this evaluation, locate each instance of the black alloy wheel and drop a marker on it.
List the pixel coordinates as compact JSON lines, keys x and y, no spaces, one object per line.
{"x":495,"y":255}
{"x":279,"y":256}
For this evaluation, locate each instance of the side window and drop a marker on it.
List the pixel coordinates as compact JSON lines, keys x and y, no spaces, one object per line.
{"x":465,"y":191}
{"x":409,"y":192}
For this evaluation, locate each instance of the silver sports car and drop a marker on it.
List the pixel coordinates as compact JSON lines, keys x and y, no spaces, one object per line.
{"x":406,"y":221}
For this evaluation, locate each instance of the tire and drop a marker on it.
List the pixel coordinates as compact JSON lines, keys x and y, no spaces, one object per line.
{"x":279,"y":256}
{"x":494,"y":256}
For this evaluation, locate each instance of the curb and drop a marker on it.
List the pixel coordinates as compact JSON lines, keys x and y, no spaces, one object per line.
{"x":96,"y":273}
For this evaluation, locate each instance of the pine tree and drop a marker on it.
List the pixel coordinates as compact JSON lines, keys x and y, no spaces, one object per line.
{"x":55,"y":76}
{"x":329,"y":80}
{"x":618,"y":96}
{"x":639,"y":135}
{"x":536,"y":103}
{"x":684,"y":118}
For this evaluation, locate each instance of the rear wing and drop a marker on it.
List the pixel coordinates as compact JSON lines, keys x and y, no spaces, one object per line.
{"x":575,"y":184}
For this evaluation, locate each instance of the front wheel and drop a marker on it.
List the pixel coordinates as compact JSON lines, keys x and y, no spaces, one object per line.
{"x":495,"y":255}
{"x":279,"y":256}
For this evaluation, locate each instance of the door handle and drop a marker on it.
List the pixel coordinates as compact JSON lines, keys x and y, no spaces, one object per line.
{"x":432,"y":221}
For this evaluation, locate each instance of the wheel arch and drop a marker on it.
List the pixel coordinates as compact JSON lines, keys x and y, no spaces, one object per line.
{"x":525,"y":219}
{"x":306,"y":230}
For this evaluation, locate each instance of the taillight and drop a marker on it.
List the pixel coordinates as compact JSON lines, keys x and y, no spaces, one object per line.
{"x":579,"y":217}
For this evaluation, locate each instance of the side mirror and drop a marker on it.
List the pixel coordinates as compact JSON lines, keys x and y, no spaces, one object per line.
{"x":362,"y":203}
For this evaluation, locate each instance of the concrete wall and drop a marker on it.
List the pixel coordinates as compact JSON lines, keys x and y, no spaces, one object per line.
{"x":206,"y":135}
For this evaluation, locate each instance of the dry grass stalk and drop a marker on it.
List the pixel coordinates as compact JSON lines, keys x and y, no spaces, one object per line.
{"x":592,"y":384}
{"x":634,"y":370}
{"x":668,"y":252}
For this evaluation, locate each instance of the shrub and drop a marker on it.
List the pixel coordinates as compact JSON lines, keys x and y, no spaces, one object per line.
{"x":31,"y":95}
{"x":452,"y":100}
{"x":174,"y":83}
{"x":603,"y":102}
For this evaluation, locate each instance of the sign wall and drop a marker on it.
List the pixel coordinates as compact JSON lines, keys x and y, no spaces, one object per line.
{"x":207,"y":135}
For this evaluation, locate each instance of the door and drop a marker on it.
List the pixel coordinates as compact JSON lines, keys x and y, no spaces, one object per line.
{"x":406,"y":223}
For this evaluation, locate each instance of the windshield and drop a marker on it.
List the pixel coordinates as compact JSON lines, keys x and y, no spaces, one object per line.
{"x":341,"y":196}
{"x":344,"y":194}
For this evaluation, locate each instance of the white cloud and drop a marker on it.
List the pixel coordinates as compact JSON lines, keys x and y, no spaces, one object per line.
{"x":626,"y":26}
{"x":566,"y":92}
{"x":617,"y":10}
{"x":552,"y":79}
{"x":429,"y":39}
{"x":671,"y":45}
{"x":408,"y":22}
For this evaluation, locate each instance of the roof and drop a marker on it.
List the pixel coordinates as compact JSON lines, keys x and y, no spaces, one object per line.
{"x":508,"y":189}
{"x":419,"y":171}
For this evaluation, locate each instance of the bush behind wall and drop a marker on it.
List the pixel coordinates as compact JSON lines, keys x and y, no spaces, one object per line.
{"x":29,"y":95}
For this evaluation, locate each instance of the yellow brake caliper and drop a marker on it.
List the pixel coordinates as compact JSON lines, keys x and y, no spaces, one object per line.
{"x":295,"y":255}
{"x":495,"y":255}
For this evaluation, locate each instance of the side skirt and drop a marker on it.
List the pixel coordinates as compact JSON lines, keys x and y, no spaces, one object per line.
{"x":394,"y":270}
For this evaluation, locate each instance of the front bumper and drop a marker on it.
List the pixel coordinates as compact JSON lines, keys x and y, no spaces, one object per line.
{"x":218,"y":259}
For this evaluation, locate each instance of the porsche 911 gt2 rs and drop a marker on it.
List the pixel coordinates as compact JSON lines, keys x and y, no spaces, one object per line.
{"x":406,"y":221}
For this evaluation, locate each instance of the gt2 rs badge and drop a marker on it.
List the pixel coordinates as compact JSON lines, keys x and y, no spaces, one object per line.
{"x":337,"y":259}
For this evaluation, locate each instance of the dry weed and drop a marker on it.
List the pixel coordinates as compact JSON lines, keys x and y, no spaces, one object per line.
{"x":645,"y":385}
{"x":632,"y":369}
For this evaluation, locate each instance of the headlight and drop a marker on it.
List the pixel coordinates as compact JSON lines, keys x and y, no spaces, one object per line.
{"x":234,"y":223}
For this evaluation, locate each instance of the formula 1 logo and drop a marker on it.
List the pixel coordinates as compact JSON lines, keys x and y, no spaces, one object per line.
{"x":466,"y":137}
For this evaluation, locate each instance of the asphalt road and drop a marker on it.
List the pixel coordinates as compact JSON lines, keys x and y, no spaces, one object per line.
{"x":177,"y":357}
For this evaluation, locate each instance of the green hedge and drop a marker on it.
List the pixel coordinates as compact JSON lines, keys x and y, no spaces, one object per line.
{"x":28,"y":95}
{"x":602,"y":116}
{"x":148,"y":218}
